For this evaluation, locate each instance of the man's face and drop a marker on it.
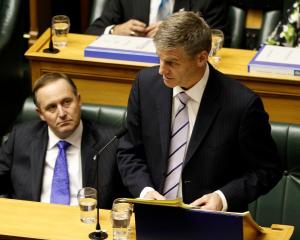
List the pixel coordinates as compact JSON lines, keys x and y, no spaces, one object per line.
{"x":59,"y":107}
{"x":179,"y":69}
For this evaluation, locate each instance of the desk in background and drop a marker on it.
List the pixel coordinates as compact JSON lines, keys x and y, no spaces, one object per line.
{"x":35,"y":220}
{"x":109,"y":81}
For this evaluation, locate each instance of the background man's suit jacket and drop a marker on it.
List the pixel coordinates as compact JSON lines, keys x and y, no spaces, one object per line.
{"x":231,"y":148}
{"x":119,"y":11}
{"x":22,"y":160}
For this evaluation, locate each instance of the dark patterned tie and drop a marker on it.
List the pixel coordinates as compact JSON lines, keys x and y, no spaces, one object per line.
{"x":178,"y":145}
{"x":60,"y":192}
{"x":164,"y":10}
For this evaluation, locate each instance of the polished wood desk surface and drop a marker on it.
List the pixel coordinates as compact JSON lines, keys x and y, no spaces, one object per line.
{"x":48,"y":221}
{"x":109,"y":81}
{"x":34,"y":220}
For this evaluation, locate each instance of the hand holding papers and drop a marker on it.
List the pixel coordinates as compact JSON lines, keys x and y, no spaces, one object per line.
{"x":126,"y":48}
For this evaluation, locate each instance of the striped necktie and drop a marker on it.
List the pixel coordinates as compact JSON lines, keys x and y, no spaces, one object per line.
{"x":177,"y":150}
{"x":60,"y":192}
{"x":164,"y":10}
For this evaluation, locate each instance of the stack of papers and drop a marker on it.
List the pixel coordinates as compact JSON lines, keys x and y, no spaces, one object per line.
{"x":126,"y":48}
{"x":276,"y":60}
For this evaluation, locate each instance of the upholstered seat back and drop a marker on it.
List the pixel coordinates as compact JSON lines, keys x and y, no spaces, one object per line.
{"x":111,"y":116}
{"x":282,"y":204}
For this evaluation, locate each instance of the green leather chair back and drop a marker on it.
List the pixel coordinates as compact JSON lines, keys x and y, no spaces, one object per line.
{"x":282,"y":204}
{"x":110,"y":116}
{"x":269,"y":22}
{"x":13,"y":87}
{"x":237,"y":19}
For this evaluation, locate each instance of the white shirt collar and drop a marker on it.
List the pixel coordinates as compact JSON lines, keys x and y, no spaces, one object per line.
{"x":74,"y":138}
{"x":194,"y":91}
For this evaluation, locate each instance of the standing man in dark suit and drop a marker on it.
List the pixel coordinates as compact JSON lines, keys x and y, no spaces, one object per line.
{"x":142,"y":18}
{"x":228,"y":157}
{"x":28,"y":160}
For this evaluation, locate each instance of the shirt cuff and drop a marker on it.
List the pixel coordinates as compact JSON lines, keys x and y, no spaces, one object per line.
{"x":107,"y":29}
{"x":145,"y":191}
{"x":224,"y":201}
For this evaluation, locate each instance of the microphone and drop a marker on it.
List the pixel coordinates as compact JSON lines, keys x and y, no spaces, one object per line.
{"x":51,"y":49}
{"x":98,"y":234}
{"x":118,"y":135}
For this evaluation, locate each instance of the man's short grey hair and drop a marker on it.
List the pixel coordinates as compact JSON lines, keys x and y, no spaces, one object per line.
{"x":184,"y":29}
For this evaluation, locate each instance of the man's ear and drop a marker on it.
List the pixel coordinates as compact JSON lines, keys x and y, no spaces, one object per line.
{"x":40,"y":114}
{"x":79,"y":98}
{"x":202,"y":58}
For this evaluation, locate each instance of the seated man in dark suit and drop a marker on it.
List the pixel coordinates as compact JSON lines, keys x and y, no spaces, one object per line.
{"x":142,"y":17}
{"x":49,"y":160}
{"x":194,"y":132}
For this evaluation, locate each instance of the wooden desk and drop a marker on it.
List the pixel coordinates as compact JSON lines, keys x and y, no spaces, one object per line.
{"x":34,"y":220}
{"x":109,"y":81}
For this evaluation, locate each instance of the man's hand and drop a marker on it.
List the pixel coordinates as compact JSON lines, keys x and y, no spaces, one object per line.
{"x":131,"y":28}
{"x":152,"y":29}
{"x":211,"y":201}
{"x":154,"y":195}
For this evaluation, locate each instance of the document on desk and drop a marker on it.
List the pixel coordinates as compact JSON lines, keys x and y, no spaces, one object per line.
{"x":276,"y":60}
{"x":173,"y":219}
{"x":128,"y":48}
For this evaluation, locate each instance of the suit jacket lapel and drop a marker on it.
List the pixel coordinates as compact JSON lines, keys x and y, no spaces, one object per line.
{"x":208,"y":110}
{"x":38,"y":153}
{"x":163,"y":98}
{"x":88,"y":151}
{"x":142,"y":10}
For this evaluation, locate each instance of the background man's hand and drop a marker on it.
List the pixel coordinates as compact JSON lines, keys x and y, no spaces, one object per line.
{"x":154,"y":195}
{"x":131,"y":28}
{"x":211,"y":201}
{"x":152,"y":29}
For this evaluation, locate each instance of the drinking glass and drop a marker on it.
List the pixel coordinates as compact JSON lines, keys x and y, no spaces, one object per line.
{"x":120,"y":218}
{"x":60,"y":30}
{"x":216,"y":44}
{"x":87,"y":201}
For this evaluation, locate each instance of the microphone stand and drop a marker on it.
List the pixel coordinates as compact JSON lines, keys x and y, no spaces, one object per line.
{"x":51,"y":49}
{"x":99,"y":234}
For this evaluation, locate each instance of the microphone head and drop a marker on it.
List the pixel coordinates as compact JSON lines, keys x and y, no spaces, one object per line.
{"x":121,"y":132}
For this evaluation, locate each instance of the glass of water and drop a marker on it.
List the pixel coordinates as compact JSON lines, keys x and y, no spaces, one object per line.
{"x":217,"y":38}
{"x":120,"y":218}
{"x":87,"y":201}
{"x":60,"y":30}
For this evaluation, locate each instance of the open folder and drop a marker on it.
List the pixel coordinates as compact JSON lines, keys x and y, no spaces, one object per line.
{"x":174,"y":220}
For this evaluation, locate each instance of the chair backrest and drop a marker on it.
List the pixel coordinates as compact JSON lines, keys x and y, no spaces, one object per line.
{"x":237,"y":19}
{"x":13,"y":87}
{"x":270,"y":20}
{"x":105,"y":115}
{"x":96,"y":9}
{"x":282,"y":204}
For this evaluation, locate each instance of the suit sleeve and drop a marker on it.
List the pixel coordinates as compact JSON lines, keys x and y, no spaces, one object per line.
{"x":131,"y":154}
{"x":6,"y":155}
{"x":259,"y":153}
{"x":112,"y":14}
{"x":215,"y":13}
